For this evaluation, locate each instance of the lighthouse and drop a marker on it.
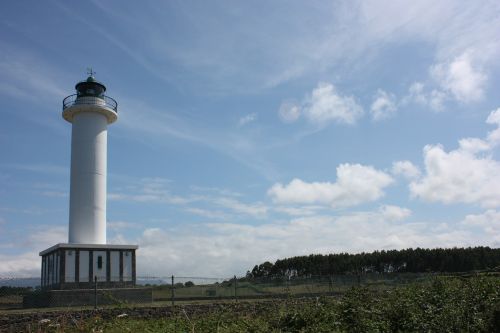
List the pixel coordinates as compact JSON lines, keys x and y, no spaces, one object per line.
{"x":86,"y":261}
{"x":90,"y":112}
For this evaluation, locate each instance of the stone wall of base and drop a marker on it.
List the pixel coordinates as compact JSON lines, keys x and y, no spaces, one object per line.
{"x":79,"y":297}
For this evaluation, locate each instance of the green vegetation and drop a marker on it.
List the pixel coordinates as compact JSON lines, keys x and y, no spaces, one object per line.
{"x":442,"y":304}
{"x":394,"y":261}
{"x":19,"y":291}
{"x":13,"y":296}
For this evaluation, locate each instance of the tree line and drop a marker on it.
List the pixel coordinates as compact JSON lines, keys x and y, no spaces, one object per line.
{"x":393,"y":261}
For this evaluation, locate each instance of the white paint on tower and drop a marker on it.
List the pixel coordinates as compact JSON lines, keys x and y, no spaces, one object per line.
{"x":87,"y":206}
{"x":90,"y":112}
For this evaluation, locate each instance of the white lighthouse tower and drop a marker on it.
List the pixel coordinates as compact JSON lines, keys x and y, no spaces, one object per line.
{"x":90,"y":112}
{"x":86,"y":260}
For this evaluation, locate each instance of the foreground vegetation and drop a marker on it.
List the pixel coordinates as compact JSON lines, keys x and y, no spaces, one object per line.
{"x":442,"y":304}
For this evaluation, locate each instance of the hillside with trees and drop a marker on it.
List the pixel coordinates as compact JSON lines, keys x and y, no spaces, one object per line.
{"x":393,"y":261}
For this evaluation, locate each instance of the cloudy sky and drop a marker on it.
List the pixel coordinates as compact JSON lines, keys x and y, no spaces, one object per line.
{"x":252,"y":131}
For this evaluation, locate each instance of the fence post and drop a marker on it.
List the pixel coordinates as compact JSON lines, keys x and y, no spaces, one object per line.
{"x":172,"y":290}
{"x":235,"y":286}
{"x":95,"y":292}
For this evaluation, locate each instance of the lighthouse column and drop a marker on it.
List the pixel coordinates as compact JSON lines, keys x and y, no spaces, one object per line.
{"x":87,"y":209}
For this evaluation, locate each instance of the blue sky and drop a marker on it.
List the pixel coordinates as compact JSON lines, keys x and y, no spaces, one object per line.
{"x":256,"y":131}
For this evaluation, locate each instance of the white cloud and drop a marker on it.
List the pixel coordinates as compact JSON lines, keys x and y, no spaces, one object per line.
{"x":224,"y":249}
{"x":383,"y":106}
{"x":394,"y":213}
{"x":458,"y":176}
{"x":488,"y":222}
{"x":434,"y":99}
{"x":289,"y":112}
{"x":473,"y":145}
{"x":494,"y":136}
{"x":322,"y":106}
{"x":326,"y":105}
{"x":33,"y":240}
{"x":461,"y":77}
{"x":416,"y":93}
{"x":494,"y":117}
{"x":462,"y":175}
{"x":20,"y":265}
{"x":247,"y":119}
{"x":405,"y":169}
{"x":355,"y":184}
{"x":437,"y":99}
{"x":476,"y":145}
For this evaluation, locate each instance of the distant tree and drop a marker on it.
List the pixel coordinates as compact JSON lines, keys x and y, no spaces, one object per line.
{"x":393,"y":261}
{"x":189,"y":284}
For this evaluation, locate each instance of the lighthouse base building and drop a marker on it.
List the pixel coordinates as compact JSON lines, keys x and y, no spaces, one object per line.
{"x":88,"y":274}
{"x":79,"y":266}
{"x":86,"y":270}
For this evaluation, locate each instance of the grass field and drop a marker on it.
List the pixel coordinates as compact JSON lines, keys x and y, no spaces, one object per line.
{"x":442,"y":304}
{"x":246,"y":289}
{"x":337,"y":284}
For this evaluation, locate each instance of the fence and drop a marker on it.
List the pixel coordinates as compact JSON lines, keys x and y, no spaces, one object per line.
{"x":171,"y":290}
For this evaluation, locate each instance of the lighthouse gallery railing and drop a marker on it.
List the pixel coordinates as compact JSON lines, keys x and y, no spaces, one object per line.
{"x":104,"y":101}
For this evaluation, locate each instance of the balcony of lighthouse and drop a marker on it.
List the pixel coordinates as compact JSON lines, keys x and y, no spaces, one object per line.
{"x":90,"y":97}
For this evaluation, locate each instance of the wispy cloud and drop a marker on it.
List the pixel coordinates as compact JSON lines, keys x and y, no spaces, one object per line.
{"x":247,"y":119}
{"x":121,"y":225}
{"x":162,"y":123}
{"x":335,"y":34}
{"x":27,"y":77}
{"x":39,"y":168}
{"x":210,"y":214}
{"x":151,"y":190}
{"x":219,"y":191}
{"x":156,"y":191}
{"x":257,"y":210}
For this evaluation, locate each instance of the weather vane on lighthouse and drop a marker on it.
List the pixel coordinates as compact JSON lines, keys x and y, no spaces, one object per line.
{"x":90,"y":72}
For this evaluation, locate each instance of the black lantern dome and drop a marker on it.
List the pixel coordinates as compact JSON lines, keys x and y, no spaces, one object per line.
{"x":90,"y":88}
